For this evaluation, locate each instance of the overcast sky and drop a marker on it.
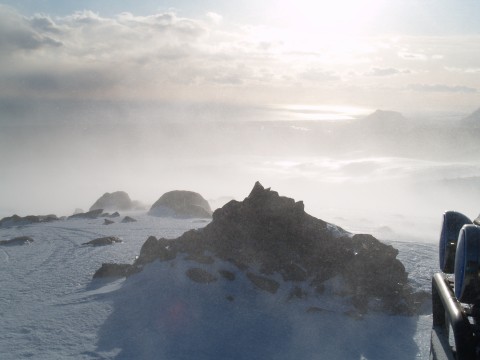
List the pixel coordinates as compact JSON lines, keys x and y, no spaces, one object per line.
{"x":402,"y":55}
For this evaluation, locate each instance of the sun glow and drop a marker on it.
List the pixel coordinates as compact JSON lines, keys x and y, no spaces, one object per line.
{"x":309,"y":25}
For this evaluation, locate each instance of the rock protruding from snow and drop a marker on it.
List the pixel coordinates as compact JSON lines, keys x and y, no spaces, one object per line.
{"x":113,"y":270}
{"x":107,"y":240}
{"x":270,"y":237}
{"x":201,"y":276}
{"x":181,"y":204}
{"x":16,"y":220}
{"x":128,"y":219}
{"x":118,"y":200}
{"x":88,"y":215}
{"x":19,"y":240}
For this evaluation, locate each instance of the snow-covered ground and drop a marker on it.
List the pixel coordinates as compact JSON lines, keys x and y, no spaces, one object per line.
{"x":50,"y":308}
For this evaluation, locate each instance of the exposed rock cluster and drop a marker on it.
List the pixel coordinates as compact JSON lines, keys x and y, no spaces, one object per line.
{"x":88,"y":215}
{"x":16,"y":220}
{"x":268,"y":235}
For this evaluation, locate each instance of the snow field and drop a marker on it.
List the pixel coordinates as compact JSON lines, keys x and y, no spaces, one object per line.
{"x":52,"y":309}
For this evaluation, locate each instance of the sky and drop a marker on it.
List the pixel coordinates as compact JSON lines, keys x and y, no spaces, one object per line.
{"x":86,"y":89}
{"x":400,"y":55}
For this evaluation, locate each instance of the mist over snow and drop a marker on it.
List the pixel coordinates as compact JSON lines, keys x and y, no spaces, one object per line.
{"x":354,"y":169}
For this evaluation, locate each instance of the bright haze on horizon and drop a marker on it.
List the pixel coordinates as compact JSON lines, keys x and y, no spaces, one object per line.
{"x":148,"y":97}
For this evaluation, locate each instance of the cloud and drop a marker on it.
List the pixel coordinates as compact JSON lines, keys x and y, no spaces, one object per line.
{"x":214,"y":17}
{"x":318,"y":75}
{"x":468,"y":70}
{"x":413,"y":56}
{"x":376,"y":71}
{"x":16,"y":33}
{"x":167,"y":56}
{"x":442,"y":88}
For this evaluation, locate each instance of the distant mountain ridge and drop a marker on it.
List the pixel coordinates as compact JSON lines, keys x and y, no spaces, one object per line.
{"x":384,"y":120}
{"x":472,"y":120}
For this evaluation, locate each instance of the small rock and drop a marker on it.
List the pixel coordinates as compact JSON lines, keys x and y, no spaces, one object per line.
{"x":201,"y":276}
{"x":128,"y":219}
{"x":20,"y":240}
{"x":108,"y":240}
{"x":108,"y":222}
{"x":263,"y":282}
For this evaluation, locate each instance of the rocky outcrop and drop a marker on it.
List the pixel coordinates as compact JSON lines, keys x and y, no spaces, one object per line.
{"x":108,"y":240}
{"x":118,"y":200}
{"x":128,"y":219}
{"x":114,"y":270}
{"x":20,"y":240}
{"x":267,"y":236}
{"x":16,"y":220}
{"x":108,"y":222}
{"x":88,"y":215}
{"x":182,"y":204}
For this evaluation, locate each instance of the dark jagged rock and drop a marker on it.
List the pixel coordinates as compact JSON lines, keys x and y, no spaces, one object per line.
{"x":108,"y":240}
{"x":108,"y":222}
{"x":115,"y":270}
{"x":114,"y":215}
{"x":154,"y":249}
{"x":182,"y":204}
{"x":16,"y":220}
{"x":118,"y":200}
{"x":201,"y":276}
{"x":19,"y":240}
{"x":273,"y":234}
{"x":128,"y":219}
{"x":88,"y":215}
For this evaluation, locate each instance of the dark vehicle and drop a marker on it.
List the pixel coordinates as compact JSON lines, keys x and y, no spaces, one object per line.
{"x":456,"y":290}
